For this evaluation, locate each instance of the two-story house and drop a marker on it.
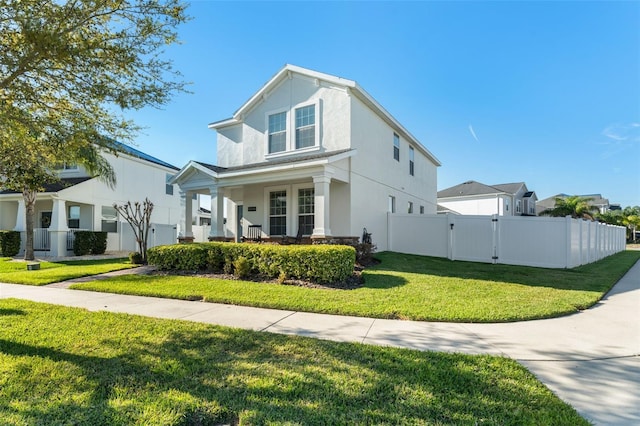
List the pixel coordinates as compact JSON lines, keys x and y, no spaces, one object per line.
{"x":475,"y":198}
{"x":311,"y":152}
{"x":79,"y":201}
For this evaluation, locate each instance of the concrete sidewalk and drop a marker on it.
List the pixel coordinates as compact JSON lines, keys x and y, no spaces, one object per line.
{"x":590,"y":360}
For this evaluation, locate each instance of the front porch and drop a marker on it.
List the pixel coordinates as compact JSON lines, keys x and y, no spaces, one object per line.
{"x":310,"y":197}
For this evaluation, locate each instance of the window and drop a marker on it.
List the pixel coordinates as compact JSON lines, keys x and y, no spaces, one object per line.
{"x":168,"y":189}
{"x":306,"y":210}
{"x":421,"y":209}
{"x":278,"y":213}
{"x":305,"y":126}
{"x":392,"y":204}
{"x":506,"y":204}
{"x":518,"y":206}
{"x":277,"y":132}
{"x":396,"y":147}
{"x":73,"y":218}
{"x":411,"y":160}
{"x":410,"y":207}
{"x":109,"y":219}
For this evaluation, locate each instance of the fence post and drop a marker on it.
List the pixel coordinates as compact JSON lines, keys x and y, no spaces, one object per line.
{"x":495,"y":232}
{"x":567,"y":224}
{"x":451,"y":241}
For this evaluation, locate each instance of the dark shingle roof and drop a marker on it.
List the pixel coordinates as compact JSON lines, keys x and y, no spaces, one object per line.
{"x":119,"y":146}
{"x":472,"y":187}
{"x":276,"y":162}
{"x":56,"y":186}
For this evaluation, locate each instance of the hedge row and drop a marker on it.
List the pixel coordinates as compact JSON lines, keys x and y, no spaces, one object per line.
{"x":9,"y":243}
{"x":89,"y":242}
{"x":321,"y":264}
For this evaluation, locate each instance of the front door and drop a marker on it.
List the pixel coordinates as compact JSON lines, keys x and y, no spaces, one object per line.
{"x":45,"y":219}
{"x":239,"y":216}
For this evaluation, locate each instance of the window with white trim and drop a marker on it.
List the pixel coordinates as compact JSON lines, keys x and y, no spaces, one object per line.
{"x":412,"y":155}
{"x":277,"y":132}
{"x":392,"y":204}
{"x":168,"y":188}
{"x":109,"y":219}
{"x":306,"y":210}
{"x":410,"y":207}
{"x":518,"y":206}
{"x":421,"y":209}
{"x":278,"y":213}
{"x":73,"y":219}
{"x":305,"y":126}
{"x":396,"y":147}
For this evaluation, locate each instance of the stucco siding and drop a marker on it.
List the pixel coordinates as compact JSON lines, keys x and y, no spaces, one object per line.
{"x":246,"y":143}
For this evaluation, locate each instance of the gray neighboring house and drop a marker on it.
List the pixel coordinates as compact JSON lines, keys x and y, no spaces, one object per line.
{"x":597,"y":200}
{"x":475,"y":198}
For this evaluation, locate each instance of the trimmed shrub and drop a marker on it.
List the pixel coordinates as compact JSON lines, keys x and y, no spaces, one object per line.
{"x":99,"y":243}
{"x":135,"y":258}
{"x":83,"y":242}
{"x":316,"y":263}
{"x":9,"y":243}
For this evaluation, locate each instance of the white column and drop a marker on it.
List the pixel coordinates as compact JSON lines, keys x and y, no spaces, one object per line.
{"x":217,"y":212}
{"x":186,"y":221}
{"x":322,"y":200}
{"x":20,"y":217}
{"x":58,"y":229}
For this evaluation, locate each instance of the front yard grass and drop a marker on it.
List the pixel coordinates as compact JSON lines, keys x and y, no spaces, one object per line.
{"x":122,"y":369}
{"x":409,"y":287}
{"x":51,"y":272}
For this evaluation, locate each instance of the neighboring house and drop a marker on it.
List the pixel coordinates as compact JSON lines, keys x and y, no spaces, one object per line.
{"x":81,"y":202}
{"x":311,"y":152}
{"x":596,"y":200}
{"x":475,"y":198}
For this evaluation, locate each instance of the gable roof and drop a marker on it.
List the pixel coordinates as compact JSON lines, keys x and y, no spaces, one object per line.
{"x":55,"y":186}
{"x":472,"y":187}
{"x":353,"y":88}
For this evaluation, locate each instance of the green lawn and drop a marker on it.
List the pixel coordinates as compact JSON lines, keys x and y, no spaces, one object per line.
{"x":410,"y":287}
{"x":51,"y":272}
{"x":119,"y":369}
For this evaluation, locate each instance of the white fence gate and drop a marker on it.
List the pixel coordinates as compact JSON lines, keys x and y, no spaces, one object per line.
{"x":516,"y":240}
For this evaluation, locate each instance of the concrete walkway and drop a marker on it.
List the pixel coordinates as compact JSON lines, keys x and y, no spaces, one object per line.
{"x":590,"y":359}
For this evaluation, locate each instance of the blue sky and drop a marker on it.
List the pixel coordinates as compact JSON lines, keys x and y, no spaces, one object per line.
{"x":542,"y":92}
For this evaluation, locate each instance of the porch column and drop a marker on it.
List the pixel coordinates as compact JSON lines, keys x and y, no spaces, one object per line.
{"x":58,"y":229}
{"x":20,"y":217}
{"x":186,"y":217}
{"x":217,"y":213}
{"x":322,"y":201}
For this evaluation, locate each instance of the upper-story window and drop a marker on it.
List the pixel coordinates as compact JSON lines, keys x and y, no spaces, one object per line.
{"x":168,"y":188}
{"x":305,"y":126}
{"x":412,"y":156}
{"x":396,"y":147}
{"x":67,"y":166}
{"x":277,"y":132}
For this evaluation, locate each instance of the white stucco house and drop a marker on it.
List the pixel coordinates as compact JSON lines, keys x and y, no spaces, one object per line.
{"x":475,"y":198}
{"x":81,"y":202}
{"x":312,"y":152}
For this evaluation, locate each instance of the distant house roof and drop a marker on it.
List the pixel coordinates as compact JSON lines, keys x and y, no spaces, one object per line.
{"x":127,"y":149}
{"x":55,"y":186}
{"x":280,"y":161}
{"x":472,"y":187}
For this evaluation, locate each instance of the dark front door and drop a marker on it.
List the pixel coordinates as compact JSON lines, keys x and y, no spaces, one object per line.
{"x":239,"y":216}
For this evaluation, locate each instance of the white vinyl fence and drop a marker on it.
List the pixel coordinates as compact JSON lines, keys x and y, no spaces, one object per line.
{"x":160,"y":235}
{"x":533,"y":241}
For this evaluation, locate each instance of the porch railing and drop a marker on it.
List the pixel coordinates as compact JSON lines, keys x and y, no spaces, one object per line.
{"x":71,"y":237}
{"x":41,"y":240}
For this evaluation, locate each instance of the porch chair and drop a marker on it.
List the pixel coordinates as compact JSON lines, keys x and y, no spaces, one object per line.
{"x":293,"y":240}
{"x":254,"y":233}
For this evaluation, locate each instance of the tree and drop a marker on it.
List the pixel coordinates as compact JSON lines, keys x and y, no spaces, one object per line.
{"x":575,"y":206}
{"x":139,"y":218}
{"x":68,"y":72}
{"x":631,"y":219}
